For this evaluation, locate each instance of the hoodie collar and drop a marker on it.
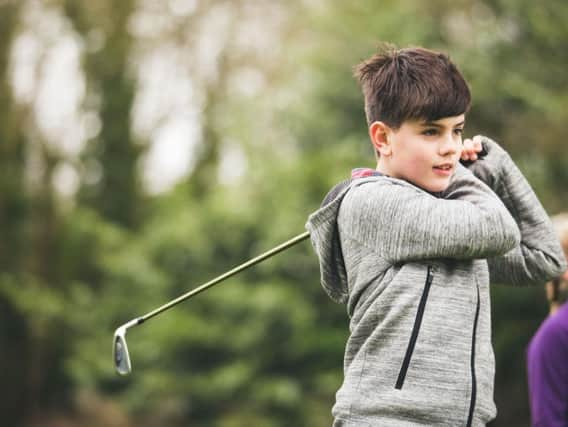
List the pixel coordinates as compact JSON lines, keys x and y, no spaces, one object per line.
{"x":364,"y":173}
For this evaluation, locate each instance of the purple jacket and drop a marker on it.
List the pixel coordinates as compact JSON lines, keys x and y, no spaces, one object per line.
{"x":547,"y":365}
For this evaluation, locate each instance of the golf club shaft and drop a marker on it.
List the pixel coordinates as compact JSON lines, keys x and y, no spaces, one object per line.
{"x":295,"y":240}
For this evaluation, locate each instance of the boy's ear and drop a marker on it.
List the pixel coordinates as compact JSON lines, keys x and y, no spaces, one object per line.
{"x":379,"y":134}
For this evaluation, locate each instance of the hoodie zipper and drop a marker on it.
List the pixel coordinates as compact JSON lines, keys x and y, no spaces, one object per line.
{"x":415,"y":330}
{"x":472,"y":364}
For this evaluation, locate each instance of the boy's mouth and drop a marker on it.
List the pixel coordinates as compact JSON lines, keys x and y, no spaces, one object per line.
{"x":446,"y":166}
{"x":444,"y":169}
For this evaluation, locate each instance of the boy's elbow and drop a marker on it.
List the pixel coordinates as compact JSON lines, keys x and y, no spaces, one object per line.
{"x":515,"y":237}
{"x":504,"y":233}
{"x":503,"y":238}
{"x":511,"y":237}
{"x":500,"y":244}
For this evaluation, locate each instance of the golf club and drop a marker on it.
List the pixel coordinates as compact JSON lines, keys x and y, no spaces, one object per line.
{"x":120,"y":349}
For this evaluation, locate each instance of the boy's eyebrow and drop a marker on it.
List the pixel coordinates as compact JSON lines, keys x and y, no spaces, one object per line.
{"x":437,"y":125}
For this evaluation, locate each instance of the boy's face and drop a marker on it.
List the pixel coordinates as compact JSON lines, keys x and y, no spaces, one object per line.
{"x":422,"y":153}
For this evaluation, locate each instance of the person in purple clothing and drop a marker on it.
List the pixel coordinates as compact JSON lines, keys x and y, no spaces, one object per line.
{"x":547,"y":356}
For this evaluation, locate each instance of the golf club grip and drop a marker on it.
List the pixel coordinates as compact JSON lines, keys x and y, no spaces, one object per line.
{"x":288,"y":244}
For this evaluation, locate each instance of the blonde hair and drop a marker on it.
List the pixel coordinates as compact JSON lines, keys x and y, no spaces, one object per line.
{"x":560,"y":223}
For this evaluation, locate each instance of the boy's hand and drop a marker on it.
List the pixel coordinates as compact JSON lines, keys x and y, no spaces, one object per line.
{"x":471,"y":148}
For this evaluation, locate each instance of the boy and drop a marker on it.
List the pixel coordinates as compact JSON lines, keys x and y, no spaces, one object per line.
{"x":411,"y":246}
{"x":547,"y":355}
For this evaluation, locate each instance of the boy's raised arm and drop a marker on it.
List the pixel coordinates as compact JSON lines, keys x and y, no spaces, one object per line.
{"x":538,"y":257}
{"x":402,"y":223}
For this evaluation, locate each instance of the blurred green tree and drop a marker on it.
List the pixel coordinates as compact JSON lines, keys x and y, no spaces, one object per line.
{"x":28,"y":226}
{"x":112,"y":184}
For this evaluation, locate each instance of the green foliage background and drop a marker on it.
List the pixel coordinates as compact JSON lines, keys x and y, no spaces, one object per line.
{"x":266,"y":347}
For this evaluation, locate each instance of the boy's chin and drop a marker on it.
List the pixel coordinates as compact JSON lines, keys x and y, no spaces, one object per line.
{"x":436,"y":187}
{"x":440,"y":188}
{"x":432,"y":185}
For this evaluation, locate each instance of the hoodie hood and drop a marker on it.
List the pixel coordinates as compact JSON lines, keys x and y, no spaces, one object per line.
{"x":324,"y":234}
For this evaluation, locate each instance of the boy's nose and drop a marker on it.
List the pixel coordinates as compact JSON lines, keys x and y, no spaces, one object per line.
{"x":448,"y":145}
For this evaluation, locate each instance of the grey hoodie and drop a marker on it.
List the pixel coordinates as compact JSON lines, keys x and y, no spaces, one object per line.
{"x":414,"y":269}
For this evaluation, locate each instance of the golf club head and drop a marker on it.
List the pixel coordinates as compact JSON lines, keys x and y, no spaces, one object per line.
{"x":120,"y":349}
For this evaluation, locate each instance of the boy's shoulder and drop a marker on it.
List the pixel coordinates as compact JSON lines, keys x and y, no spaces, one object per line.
{"x":365,"y":190}
{"x":380,"y":200}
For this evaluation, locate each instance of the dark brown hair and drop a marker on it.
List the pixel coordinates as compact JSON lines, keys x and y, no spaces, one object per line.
{"x":411,"y":84}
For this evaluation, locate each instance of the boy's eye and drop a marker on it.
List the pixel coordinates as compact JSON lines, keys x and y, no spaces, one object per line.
{"x":458,"y":131}
{"x":430,"y":132}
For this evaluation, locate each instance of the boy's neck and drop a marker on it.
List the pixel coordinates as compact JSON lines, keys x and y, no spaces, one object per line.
{"x":382,"y":168}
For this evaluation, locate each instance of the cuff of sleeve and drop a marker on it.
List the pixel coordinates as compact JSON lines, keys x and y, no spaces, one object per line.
{"x":491,"y":167}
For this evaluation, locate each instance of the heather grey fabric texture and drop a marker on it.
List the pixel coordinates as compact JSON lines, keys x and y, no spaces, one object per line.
{"x":414,"y":269}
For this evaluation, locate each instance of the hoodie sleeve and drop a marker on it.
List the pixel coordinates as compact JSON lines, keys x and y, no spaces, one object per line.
{"x":401,"y":222}
{"x":538,"y":257}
